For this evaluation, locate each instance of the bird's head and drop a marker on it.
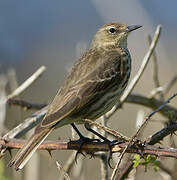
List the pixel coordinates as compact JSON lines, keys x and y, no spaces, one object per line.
{"x":112,"y":35}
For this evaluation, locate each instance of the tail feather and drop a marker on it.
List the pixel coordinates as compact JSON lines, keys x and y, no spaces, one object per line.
{"x":29,"y":148}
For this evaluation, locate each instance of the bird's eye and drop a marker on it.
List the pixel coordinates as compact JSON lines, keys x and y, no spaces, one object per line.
{"x":112,"y":30}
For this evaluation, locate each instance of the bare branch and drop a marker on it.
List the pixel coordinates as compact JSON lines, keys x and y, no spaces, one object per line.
{"x":155,"y":69}
{"x":61,"y":169}
{"x":152,"y":103}
{"x":155,"y":138}
{"x":158,"y":136}
{"x":165,"y":89}
{"x":69,"y":164}
{"x":104,"y":166}
{"x":27,"y":83}
{"x":3,"y":96}
{"x":170,"y":84}
{"x":28,"y":124}
{"x":151,"y":114}
{"x":137,"y":133}
{"x":112,"y":132}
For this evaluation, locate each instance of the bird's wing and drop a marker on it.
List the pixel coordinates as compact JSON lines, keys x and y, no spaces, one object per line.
{"x":79,"y":94}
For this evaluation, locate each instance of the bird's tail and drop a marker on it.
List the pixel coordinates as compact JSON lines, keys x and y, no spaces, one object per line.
{"x":23,"y":155}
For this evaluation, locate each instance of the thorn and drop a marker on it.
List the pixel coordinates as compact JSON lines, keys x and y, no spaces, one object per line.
{"x":50,"y":152}
{"x":110,"y":155}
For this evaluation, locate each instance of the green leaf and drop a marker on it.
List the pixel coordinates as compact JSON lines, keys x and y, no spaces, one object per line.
{"x":137,"y":160}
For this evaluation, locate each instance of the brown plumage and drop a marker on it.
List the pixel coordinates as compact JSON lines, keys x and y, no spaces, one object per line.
{"x":92,"y":88}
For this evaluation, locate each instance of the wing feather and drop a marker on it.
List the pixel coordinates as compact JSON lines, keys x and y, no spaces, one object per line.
{"x":80,"y":92}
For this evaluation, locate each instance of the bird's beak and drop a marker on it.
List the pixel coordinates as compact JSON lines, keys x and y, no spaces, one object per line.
{"x":132,"y":28}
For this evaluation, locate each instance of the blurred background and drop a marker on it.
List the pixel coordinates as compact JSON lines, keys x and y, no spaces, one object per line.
{"x":55,"y":33}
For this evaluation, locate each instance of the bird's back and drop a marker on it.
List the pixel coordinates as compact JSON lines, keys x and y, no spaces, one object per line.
{"x":96,"y":76}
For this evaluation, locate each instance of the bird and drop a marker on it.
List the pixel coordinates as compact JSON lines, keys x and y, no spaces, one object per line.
{"x":94,"y":85}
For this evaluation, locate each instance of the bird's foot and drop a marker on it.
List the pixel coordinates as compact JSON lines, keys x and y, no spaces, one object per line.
{"x":110,"y":145}
{"x":83,"y":140}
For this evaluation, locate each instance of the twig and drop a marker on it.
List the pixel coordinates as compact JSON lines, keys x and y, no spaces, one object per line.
{"x":139,"y":73}
{"x":78,"y":171}
{"x":155,"y":138}
{"x":3,"y":83}
{"x":151,"y":141}
{"x":150,"y":115}
{"x":104,"y":156}
{"x":28,"y":124}
{"x":162,"y":106}
{"x":165,"y":89}
{"x":156,"y":91}
{"x":170,"y":85}
{"x":151,"y":103}
{"x":13,"y":84}
{"x":69,"y":164}
{"x":112,"y":132}
{"x":155,"y":69}
{"x":27,"y":83}
{"x":118,"y":162}
{"x":139,"y":118}
{"x":158,"y":136}
{"x":12,"y":78}
{"x":104,"y":166}
{"x":61,"y":169}
{"x":137,"y":133}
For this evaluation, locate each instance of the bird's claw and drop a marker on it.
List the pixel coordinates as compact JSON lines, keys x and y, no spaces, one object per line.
{"x":110,"y":145}
{"x":83,"y":140}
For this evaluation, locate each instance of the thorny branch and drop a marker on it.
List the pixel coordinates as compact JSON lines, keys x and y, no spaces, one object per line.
{"x":138,"y":131}
{"x":94,"y":147}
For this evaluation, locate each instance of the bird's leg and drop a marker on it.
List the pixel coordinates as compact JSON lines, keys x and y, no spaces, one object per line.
{"x":109,"y":143}
{"x":87,"y":126}
{"x":77,"y":131}
{"x":82,"y":140}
